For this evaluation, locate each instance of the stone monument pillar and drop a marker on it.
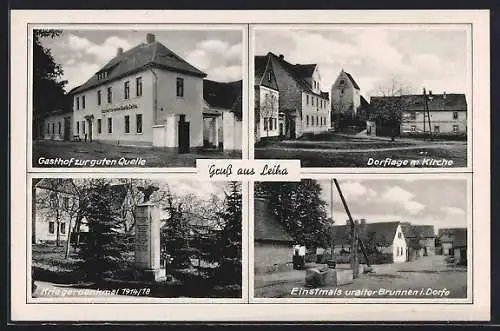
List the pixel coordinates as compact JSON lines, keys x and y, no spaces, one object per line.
{"x":147,"y":240}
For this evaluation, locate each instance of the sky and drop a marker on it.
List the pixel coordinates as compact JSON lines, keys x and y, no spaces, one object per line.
{"x":438,"y":202}
{"x":82,"y":53}
{"x":418,"y":57}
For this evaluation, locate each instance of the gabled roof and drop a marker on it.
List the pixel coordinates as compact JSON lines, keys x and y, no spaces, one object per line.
{"x":259,"y":67}
{"x":356,"y":86}
{"x":448,"y":235}
{"x":291,"y":71}
{"x":416,"y":102}
{"x":223,"y":95}
{"x":266,"y":225}
{"x":425,"y":231}
{"x":61,"y":185}
{"x":138,"y":58}
{"x":382,"y":233}
{"x":304,"y":70}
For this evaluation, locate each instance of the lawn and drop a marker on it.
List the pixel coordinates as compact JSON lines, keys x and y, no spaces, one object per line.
{"x":340,"y":157}
{"x":154,"y":157}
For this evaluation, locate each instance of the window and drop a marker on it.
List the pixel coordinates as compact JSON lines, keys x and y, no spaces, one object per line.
{"x":59,"y":127}
{"x":307,"y":120}
{"x":455,"y":115}
{"x":83,"y":102}
{"x":399,"y":235}
{"x":312,"y":101}
{"x":307,"y":99}
{"x":126,"y":90}
{"x":63,"y":228}
{"x":65,"y":202}
{"x":413,"y":115}
{"x":99,"y":126}
{"x":413,"y":128}
{"x":436,"y":128}
{"x":180,"y":87}
{"x":317,"y":121}
{"x":110,"y":95}
{"x":127,"y":124}
{"x":83,"y":127}
{"x":77,"y":127}
{"x":270,"y":124}
{"x":138,"y":120}
{"x":48,"y":128}
{"x":275,"y":123}
{"x":51,"y":227}
{"x":77,"y":103}
{"x":455,"y":128}
{"x":138,"y":86}
{"x":265,"y":123}
{"x":52,"y":128}
{"x":99,"y":96}
{"x":269,"y":76}
{"x":110,"y":125}
{"x":342,"y":82}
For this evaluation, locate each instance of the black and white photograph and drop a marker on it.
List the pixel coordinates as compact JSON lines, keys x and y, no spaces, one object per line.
{"x":136,"y":237}
{"x":363,"y":95}
{"x":362,"y":238}
{"x":136,"y":98}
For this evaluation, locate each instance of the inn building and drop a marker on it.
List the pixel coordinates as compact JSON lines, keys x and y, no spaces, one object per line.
{"x":146,"y":96}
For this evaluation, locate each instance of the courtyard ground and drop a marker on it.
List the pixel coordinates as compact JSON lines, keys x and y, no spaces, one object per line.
{"x":424,"y":273}
{"x":155,"y":157}
{"x":342,"y":150}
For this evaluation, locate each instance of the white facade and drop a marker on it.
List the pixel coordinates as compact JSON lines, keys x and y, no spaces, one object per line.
{"x":269,"y":115}
{"x":399,"y":247}
{"x":57,"y":127}
{"x":442,"y":122}
{"x":315,"y":114}
{"x":129,"y":115}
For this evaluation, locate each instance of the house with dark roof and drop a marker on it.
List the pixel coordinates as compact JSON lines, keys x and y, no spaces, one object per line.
{"x":299,"y":107}
{"x":385,"y":237}
{"x":421,"y":239}
{"x":460,"y":246}
{"x":448,"y":112}
{"x":222,"y":114}
{"x":272,"y":243}
{"x":139,"y":98}
{"x":447,"y":238}
{"x":349,"y":107}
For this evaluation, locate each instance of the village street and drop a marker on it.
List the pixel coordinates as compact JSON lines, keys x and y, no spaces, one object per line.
{"x":425,"y":272}
{"x":354,"y":151}
{"x":154,"y":157}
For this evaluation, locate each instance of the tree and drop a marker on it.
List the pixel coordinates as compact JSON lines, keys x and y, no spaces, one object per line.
{"x":104,"y":250}
{"x":300,"y":209}
{"x":269,"y":111}
{"x":389,"y":104}
{"x":56,"y":201}
{"x":230,"y":238}
{"x":48,"y":88}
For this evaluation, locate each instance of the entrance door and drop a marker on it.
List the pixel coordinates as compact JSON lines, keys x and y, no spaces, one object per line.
{"x":183,"y":135}
{"x":90,"y":129}
{"x":292,"y":128}
{"x":67,"y":128}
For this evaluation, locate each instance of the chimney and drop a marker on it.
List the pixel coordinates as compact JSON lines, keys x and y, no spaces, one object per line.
{"x":281,"y":57}
{"x":150,"y":38}
{"x":119,"y":51}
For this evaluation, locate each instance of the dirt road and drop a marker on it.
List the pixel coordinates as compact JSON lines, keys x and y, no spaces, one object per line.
{"x":422,"y":278}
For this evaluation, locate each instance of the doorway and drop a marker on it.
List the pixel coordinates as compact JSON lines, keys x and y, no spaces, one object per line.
{"x":183,"y":135}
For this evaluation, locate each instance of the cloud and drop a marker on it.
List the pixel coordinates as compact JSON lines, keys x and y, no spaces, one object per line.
{"x":101,"y":52}
{"x":400,"y":196}
{"x":219,"y":59}
{"x":356,"y":189}
{"x":452,"y":210}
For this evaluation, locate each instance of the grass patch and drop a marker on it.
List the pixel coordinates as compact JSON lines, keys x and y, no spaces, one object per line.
{"x":458,"y":154}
